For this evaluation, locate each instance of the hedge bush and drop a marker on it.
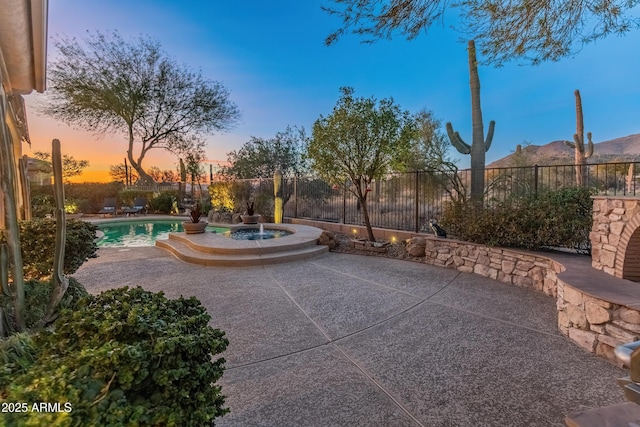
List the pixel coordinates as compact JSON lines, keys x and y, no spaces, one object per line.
{"x":38,"y":239}
{"x":37,"y":294}
{"x":125,"y":357}
{"x":163,"y":203}
{"x":553,"y":219}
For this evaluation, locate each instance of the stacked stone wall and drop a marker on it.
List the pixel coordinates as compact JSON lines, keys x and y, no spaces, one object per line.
{"x":509,"y":266}
{"x":596,"y":325}
{"x":614,"y":222}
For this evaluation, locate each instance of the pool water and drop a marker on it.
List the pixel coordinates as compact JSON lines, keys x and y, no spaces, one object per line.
{"x":253,"y":234}
{"x":142,"y":232}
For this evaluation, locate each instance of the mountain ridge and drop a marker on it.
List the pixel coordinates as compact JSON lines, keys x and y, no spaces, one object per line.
{"x":625,"y":148}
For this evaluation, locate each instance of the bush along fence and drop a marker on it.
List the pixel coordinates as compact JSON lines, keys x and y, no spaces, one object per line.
{"x":407,"y":201}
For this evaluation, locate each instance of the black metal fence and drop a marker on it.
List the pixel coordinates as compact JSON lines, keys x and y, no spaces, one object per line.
{"x":406,"y":201}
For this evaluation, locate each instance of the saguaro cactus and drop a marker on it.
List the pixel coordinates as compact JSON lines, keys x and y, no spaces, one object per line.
{"x":278,"y":210}
{"x":581,"y":154}
{"x":479,"y":145}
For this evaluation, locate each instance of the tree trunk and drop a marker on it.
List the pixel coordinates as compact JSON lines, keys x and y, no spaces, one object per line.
{"x":478,"y":143}
{"x":362,"y":199}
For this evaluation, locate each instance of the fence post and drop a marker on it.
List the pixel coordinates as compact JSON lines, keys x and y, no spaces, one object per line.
{"x":295,"y":194}
{"x":344,"y":203}
{"x":535,"y":180}
{"x":417,"y":205}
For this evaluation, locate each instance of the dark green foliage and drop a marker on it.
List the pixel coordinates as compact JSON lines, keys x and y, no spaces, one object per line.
{"x":37,"y":295}
{"x":127,"y":197}
{"x":164,"y":202}
{"x":38,"y":241}
{"x":42,"y":205}
{"x":89,"y":196}
{"x":17,"y":354}
{"x":125,"y":357}
{"x":559,"y":218}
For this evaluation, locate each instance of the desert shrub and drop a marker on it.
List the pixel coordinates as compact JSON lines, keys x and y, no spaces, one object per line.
{"x":17,"y":354}
{"x":37,"y":294}
{"x":42,"y":205}
{"x":127,"y":197}
{"x":38,"y":239}
{"x":92,"y":194}
{"x":560,"y":218}
{"x":125,"y":357}
{"x":229,"y":196}
{"x":163,"y":203}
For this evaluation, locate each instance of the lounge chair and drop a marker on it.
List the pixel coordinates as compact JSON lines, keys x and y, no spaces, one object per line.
{"x":139,"y":206}
{"x":108,"y":207}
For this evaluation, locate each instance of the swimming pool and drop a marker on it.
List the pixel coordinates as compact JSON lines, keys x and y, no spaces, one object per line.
{"x":141,"y":232}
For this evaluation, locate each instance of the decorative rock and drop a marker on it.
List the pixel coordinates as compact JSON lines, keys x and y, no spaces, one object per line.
{"x":572,"y":296}
{"x":508,"y":266}
{"x":627,"y":326}
{"x":596,"y":314}
{"x":577,"y":316}
{"x":584,"y":339}
{"x":327,"y":238}
{"x":627,"y":315}
{"x":522,"y":281}
{"x":416,"y":246}
{"x":606,"y":351}
{"x":620,"y":334}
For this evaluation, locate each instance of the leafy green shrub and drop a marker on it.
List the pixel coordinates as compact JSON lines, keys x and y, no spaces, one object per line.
{"x":42,"y":205}
{"x":38,"y":239}
{"x":127,"y":197}
{"x":560,"y":218}
{"x":37,"y":294}
{"x":163,"y":203}
{"x":91,"y":193}
{"x":125,"y":357}
{"x":17,"y":354}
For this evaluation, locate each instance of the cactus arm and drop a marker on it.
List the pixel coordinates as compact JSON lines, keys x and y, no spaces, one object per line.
{"x":579,"y":142}
{"x":589,"y":151}
{"x":570,"y":144}
{"x":457,"y":141}
{"x":489,"y":140}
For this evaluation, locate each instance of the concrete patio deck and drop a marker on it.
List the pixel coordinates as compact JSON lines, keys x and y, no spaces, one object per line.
{"x":348,"y":340}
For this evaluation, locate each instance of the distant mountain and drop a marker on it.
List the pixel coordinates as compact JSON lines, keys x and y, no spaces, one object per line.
{"x":626,"y":148}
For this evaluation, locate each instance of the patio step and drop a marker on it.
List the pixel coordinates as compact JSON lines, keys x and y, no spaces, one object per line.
{"x":187,"y":253}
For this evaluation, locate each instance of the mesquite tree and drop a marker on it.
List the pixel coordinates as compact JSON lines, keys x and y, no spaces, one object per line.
{"x":358,"y":142}
{"x":106,"y":84}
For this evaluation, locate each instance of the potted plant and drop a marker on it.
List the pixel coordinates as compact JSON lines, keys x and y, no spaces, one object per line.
{"x":195,"y":226}
{"x":250,"y":217}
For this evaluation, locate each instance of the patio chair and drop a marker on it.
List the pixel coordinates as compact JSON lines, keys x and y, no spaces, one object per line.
{"x":139,"y":206}
{"x":108,"y":207}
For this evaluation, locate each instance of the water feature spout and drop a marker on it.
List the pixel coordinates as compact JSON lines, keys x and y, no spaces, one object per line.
{"x":261,"y":232}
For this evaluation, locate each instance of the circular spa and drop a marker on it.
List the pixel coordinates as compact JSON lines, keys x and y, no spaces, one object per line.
{"x":254,"y":233}
{"x":245,"y":245}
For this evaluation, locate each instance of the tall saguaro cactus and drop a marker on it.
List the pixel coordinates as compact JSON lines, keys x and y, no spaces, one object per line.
{"x":581,"y":153}
{"x":479,"y":145}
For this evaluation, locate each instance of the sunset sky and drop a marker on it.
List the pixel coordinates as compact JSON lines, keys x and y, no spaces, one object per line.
{"x":272,"y":58}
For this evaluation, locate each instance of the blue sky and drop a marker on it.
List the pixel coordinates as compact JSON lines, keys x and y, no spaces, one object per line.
{"x":272,"y":57}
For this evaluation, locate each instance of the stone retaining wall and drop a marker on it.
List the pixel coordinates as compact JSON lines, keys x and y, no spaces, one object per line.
{"x":594,"y":324}
{"x":509,"y":266}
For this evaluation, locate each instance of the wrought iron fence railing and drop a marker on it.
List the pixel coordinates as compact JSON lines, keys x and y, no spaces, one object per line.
{"x":407,"y":201}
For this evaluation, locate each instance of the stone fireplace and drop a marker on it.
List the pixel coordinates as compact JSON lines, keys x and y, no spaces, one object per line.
{"x":615,"y":236}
